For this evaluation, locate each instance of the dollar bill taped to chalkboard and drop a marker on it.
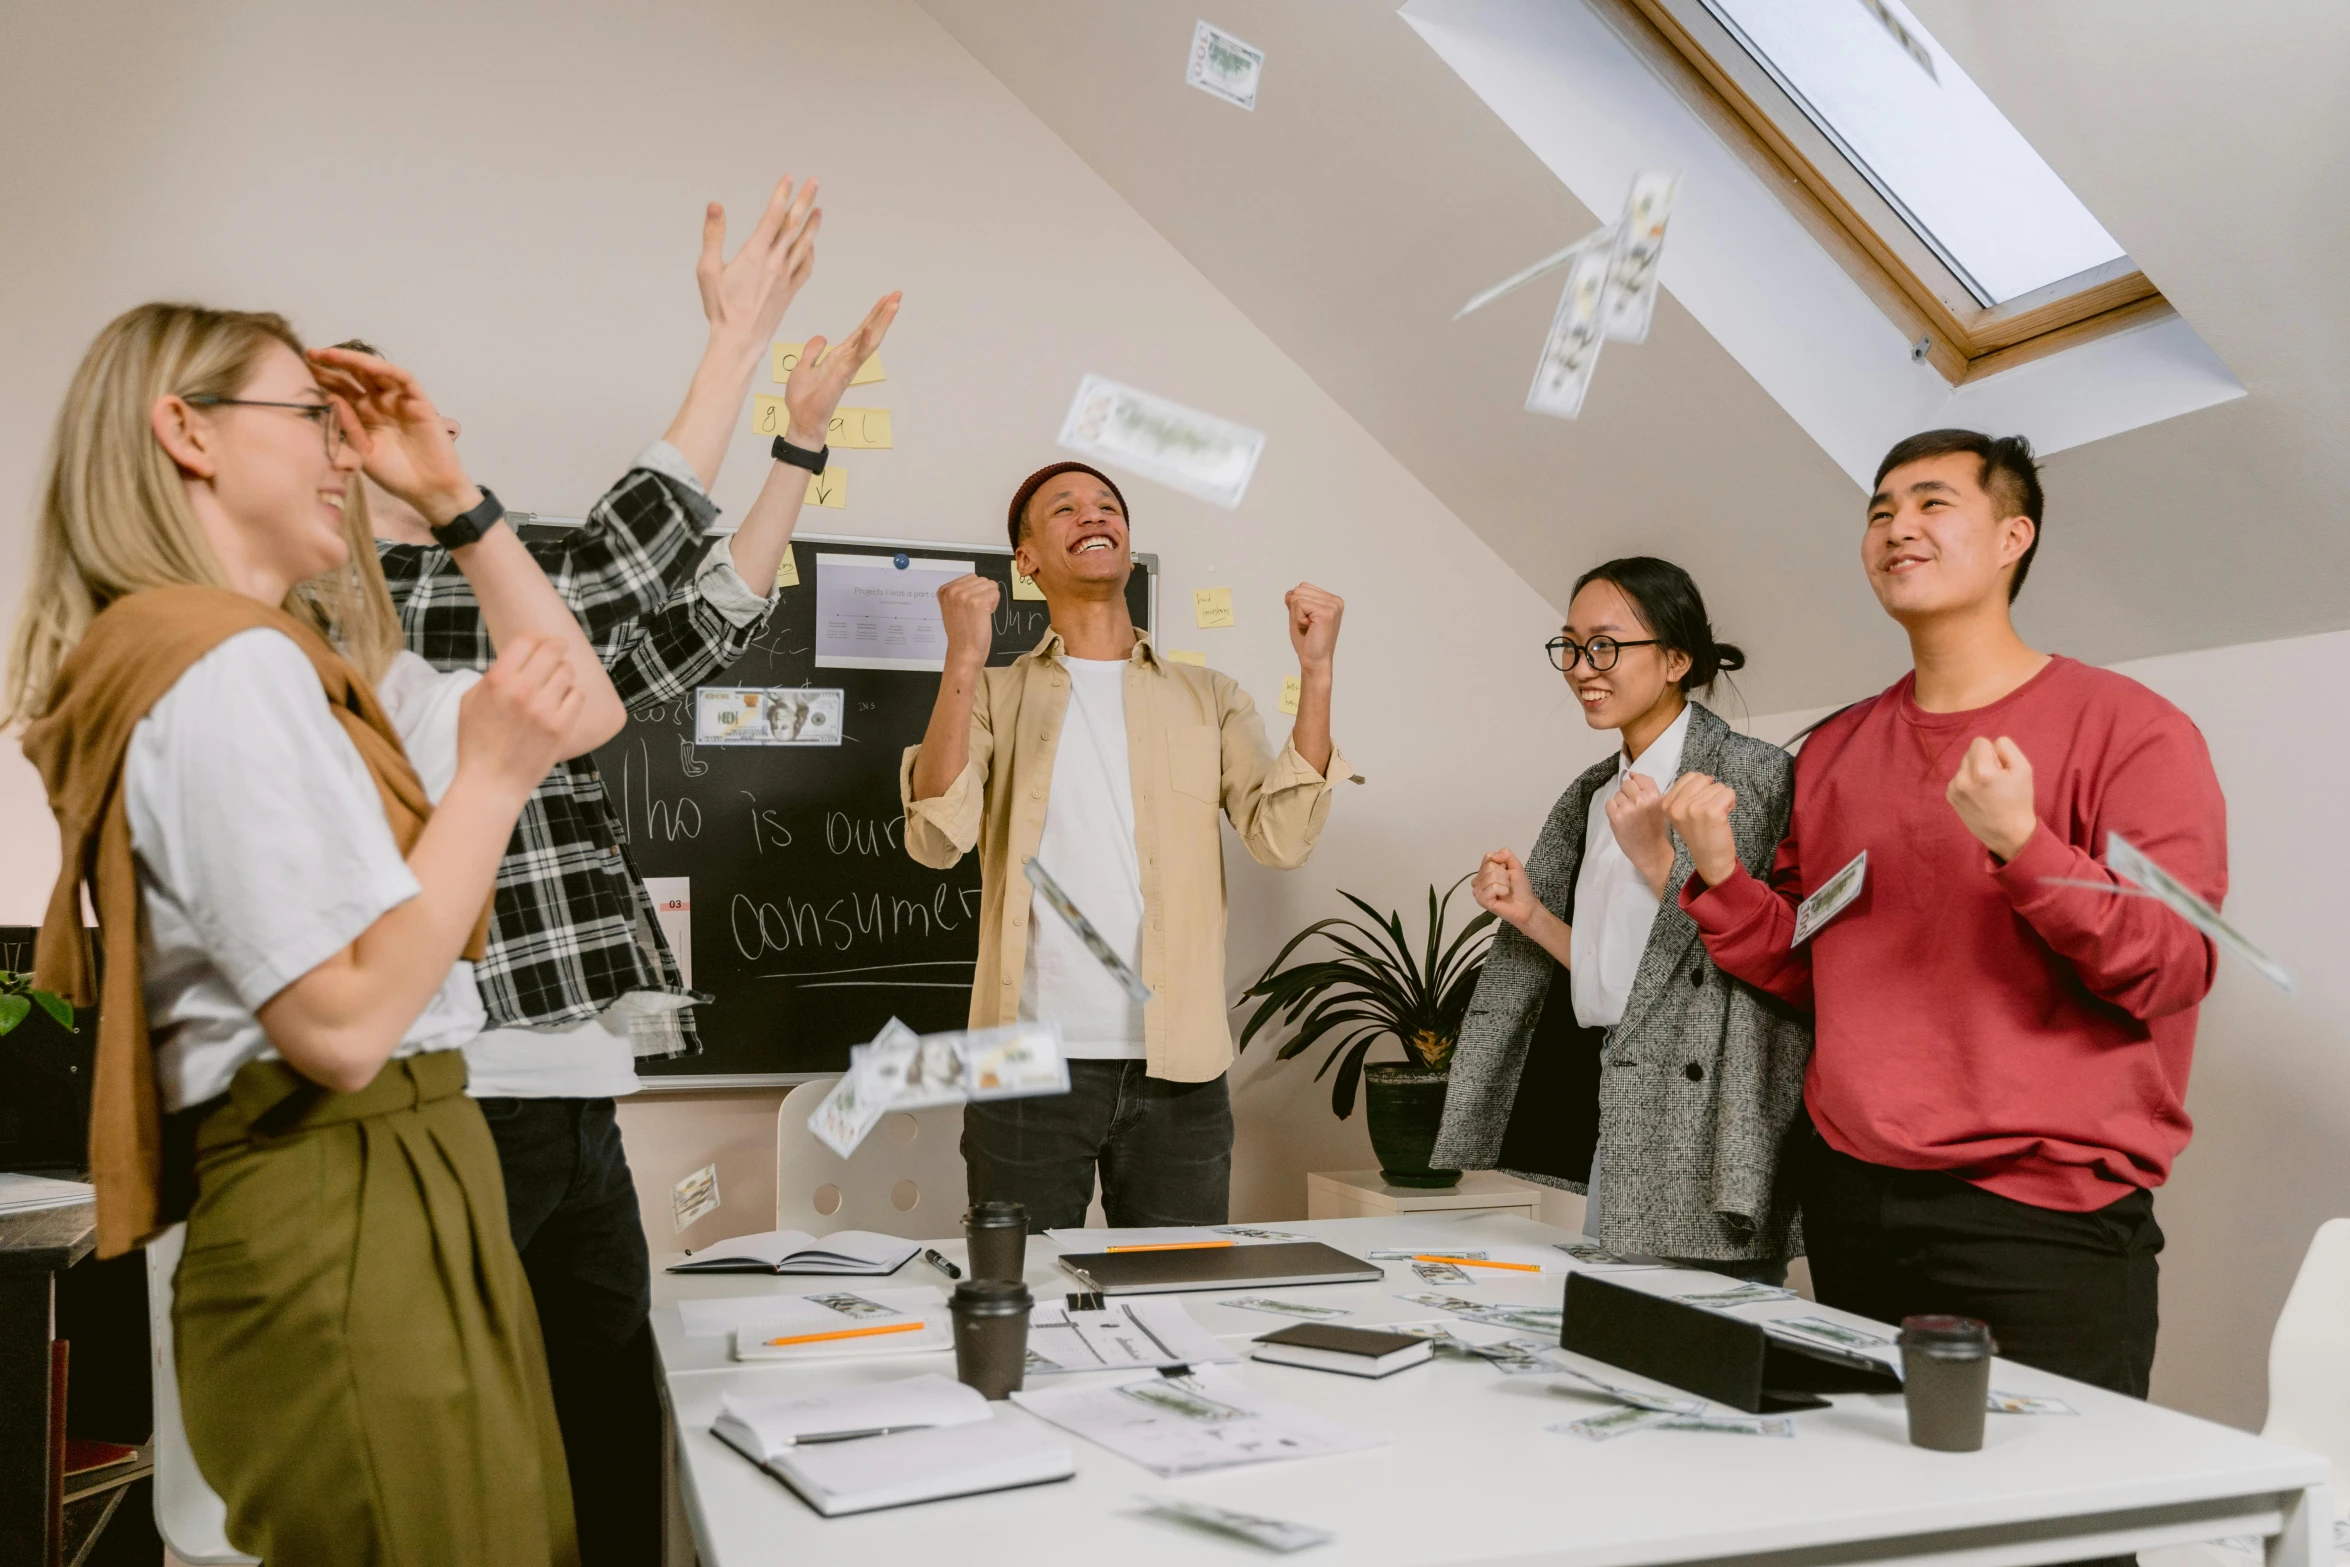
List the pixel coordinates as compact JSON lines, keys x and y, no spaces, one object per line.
{"x":766,"y":715}
{"x":903,"y":1070}
{"x":1103,"y":953}
{"x":2127,"y":860}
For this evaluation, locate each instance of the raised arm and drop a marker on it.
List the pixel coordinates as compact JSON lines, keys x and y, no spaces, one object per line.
{"x":1746,"y":924}
{"x":743,"y":299}
{"x":406,"y":447}
{"x":1313,"y":632}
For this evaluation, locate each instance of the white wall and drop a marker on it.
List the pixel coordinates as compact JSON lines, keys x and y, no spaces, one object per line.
{"x":516,"y":214}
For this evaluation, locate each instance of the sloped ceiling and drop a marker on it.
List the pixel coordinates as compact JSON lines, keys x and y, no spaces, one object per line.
{"x":1370,"y":192}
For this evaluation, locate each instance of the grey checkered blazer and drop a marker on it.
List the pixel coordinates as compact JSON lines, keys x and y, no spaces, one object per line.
{"x":1702,"y":1081}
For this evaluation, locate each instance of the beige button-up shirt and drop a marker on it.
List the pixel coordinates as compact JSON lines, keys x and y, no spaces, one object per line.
{"x":1195,"y":746}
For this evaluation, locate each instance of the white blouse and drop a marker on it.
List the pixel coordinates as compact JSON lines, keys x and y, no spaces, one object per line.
{"x":1613,"y":906}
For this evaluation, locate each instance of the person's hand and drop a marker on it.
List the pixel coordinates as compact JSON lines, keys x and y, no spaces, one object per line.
{"x":1699,"y":809}
{"x":1313,"y":624}
{"x":745,"y":298}
{"x":512,"y":725}
{"x":402,"y":440}
{"x":1992,"y":793}
{"x":820,"y":378}
{"x":1501,"y":888}
{"x":1636,"y":815}
{"x":967,"y":605}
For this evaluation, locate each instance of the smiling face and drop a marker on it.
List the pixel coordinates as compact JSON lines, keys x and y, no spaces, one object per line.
{"x":1936,"y":543}
{"x":1075,"y":541}
{"x":276,"y":496}
{"x":1643,"y":678}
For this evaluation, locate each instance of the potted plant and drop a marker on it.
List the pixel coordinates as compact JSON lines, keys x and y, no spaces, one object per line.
{"x":1374,"y":987}
{"x":18,"y":998}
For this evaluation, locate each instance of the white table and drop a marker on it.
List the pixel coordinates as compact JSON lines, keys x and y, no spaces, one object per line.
{"x":1362,"y":1194}
{"x":1473,"y":1476}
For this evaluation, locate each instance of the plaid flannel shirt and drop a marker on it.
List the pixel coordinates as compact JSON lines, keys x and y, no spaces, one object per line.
{"x":572,"y":928}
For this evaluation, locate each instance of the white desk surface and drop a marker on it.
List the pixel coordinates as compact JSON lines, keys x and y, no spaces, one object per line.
{"x":1472,"y":1476}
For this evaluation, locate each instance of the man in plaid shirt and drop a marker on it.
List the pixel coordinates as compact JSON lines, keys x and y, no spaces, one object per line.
{"x":577,"y":979}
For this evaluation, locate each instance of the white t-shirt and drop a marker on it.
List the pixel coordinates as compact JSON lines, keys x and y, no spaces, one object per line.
{"x":263,"y":851}
{"x":1613,"y":906}
{"x":1088,"y":846}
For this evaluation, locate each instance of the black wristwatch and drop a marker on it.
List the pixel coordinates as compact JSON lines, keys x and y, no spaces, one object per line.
{"x":800,"y":457}
{"x":467,"y":527}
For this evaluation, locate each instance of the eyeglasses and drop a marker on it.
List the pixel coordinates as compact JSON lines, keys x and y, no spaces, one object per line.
{"x":321,"y":414}
{"x":1601,"y":651}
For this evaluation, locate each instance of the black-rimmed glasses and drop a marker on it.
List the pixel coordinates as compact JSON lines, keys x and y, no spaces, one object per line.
{"x":321,"y":414}
{"x":1601,"y":651}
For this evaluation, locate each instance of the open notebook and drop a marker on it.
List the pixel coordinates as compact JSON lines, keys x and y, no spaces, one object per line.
{"x":855,"y":1449}
{"x":796,"y":1251}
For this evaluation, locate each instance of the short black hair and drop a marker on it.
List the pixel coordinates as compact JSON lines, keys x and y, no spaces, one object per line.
{"x":2010,"y":476}
{"x":1016,"y":519}
{"x":1667,"y":601}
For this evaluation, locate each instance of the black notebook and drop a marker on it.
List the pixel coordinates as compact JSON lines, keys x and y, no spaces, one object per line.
{"x":1218,"y":1268}
{"x":1359,"y":1352}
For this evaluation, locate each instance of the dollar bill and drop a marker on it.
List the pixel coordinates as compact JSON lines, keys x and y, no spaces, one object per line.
{"x":1015,"y":1061}
{"x":1440,"y":1273}
{"x":2124,"y":858}
{"x":1841,"y":1335}
{"x":1287,"y":1308}
{"x":1600,"y":239}
{"x":1569,"y":355}
{"x":2021,"y":1404}
{"x":853,"y":1305}
{"x":1635,"y":1397}
{"x":1737,"y":1295}
{"x":1526,"y":1319}
{"x":1638,"y":246}
{"x":1224,"y":67}
{"x":1169,"y":1394}
{"x":1590,"y":1254}
{"x":1103,"y":953}
{"x":1518,"y":1357}
{"x":1272,"y":1533}
{"x":1248,"y":1232}
{"x":1616,"y":1422}
{"x":1825,"y":904}
{"x":1732,"y":1425}
{"x":766,"y":715}
{"x":1180,"y":447}
{"x":862,"y":1096}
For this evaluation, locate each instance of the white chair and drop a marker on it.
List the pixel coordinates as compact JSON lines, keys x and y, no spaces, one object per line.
{"x":189,"y":1514}
{"x":2308,"y":1383}
{"x":906,"y":1177}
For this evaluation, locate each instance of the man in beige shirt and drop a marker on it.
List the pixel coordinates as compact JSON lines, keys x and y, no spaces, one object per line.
{"x":1108,"y":764}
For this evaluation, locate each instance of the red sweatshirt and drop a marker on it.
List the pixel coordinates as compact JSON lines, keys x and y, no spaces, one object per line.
{"x":2029,"y":1038}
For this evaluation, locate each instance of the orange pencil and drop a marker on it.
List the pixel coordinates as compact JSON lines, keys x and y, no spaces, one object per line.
{"x":1479,"y":1262}
{"x":1172,"y":1246}
{"x":819,"y":1338}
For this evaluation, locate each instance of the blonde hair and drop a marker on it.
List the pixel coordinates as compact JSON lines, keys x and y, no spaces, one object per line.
{"x":114,"y":516}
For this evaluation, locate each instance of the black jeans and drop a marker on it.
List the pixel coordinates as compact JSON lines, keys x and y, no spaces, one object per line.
{"x":1164,"y":1149}
{"x":2072,"y":1293}
{"x":572,"y":1207}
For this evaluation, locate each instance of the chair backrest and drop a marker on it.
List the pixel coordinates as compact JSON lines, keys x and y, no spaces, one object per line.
{"x":189,"y":1514}
{"x":2309,"y":1355}
{"x":906,"y":1177}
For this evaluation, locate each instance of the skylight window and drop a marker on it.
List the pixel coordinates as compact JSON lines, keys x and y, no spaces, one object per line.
{"x":1924,"y":136}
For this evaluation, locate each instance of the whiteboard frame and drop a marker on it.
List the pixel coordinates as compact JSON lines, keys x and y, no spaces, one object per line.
{"x":737,"y":1082}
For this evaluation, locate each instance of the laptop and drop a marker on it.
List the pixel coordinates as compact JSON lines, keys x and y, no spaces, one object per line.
{"x":1262,"y":1266}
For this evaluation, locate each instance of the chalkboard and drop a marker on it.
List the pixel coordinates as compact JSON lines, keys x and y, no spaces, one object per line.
{"x":811,"y":924}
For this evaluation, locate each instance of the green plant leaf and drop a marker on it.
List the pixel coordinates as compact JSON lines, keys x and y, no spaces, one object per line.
{"x":13,"y":1010}
{"x":57,"y":1007}
{"x":1350,"y":1079}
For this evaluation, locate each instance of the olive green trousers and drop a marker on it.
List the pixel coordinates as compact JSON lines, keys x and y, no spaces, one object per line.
{"x":359,"y":1361}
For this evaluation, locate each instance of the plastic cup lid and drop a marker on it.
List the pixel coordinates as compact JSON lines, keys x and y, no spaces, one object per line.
{"x":1947,"y":1335}
{"x":996,"y":1215}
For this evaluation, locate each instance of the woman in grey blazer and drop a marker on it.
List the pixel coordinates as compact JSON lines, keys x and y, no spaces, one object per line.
{"x":1603,"y":1052}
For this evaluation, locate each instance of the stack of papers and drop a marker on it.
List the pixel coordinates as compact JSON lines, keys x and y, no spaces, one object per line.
{"x":853,"y":1449}
{"x":1127,"y":1335}
{"x":796,"y":1251}
{"x":32,"y":1193}
{"x":1201,"y":1420}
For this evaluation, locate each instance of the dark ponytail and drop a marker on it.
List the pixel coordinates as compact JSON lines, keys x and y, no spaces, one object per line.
{"x":1668,"y":603}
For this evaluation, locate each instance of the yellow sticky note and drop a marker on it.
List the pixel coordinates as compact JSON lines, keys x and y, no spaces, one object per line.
{"x":829,"y":488}
{"x":1184,"y":655}
{"x":1025,"y":587}
{"x":859,"y":429}
{"x":1211,"y":607}
{"x":1290,"y":689}
{"x":787,"y":570}
{"x":787,"y":355}
{"x":768,"y":415}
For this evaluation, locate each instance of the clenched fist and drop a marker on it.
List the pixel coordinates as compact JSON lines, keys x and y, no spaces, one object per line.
{"x":1313,"y":624}
{"x":1992,"y":793}
{"x":1636,"y":815}
{"x":1699,"y":809}
{"x":967,"y":605}
{"x":1501,"y":889}
{"x":511,"y":725}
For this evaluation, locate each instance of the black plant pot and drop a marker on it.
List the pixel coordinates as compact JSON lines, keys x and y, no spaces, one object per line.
{"x":1405,"y":1103}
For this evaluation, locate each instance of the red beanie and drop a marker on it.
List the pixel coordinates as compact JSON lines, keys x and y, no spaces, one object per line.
{"x":1035,"y":482}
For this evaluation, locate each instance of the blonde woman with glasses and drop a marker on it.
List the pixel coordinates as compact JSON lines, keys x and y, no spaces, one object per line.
{"x":211,"y":683}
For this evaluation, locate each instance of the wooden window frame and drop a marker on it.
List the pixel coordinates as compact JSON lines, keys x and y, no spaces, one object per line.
{"x":1706,"y":66}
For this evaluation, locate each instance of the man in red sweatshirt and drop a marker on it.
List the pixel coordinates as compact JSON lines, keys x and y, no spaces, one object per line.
{"x":2001,"y":1069}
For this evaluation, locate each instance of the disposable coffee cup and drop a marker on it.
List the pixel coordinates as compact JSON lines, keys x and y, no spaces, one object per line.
{"x":991,"y":1334}
{"x":1946,"y":1381}
{"x":997,"y":1236}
